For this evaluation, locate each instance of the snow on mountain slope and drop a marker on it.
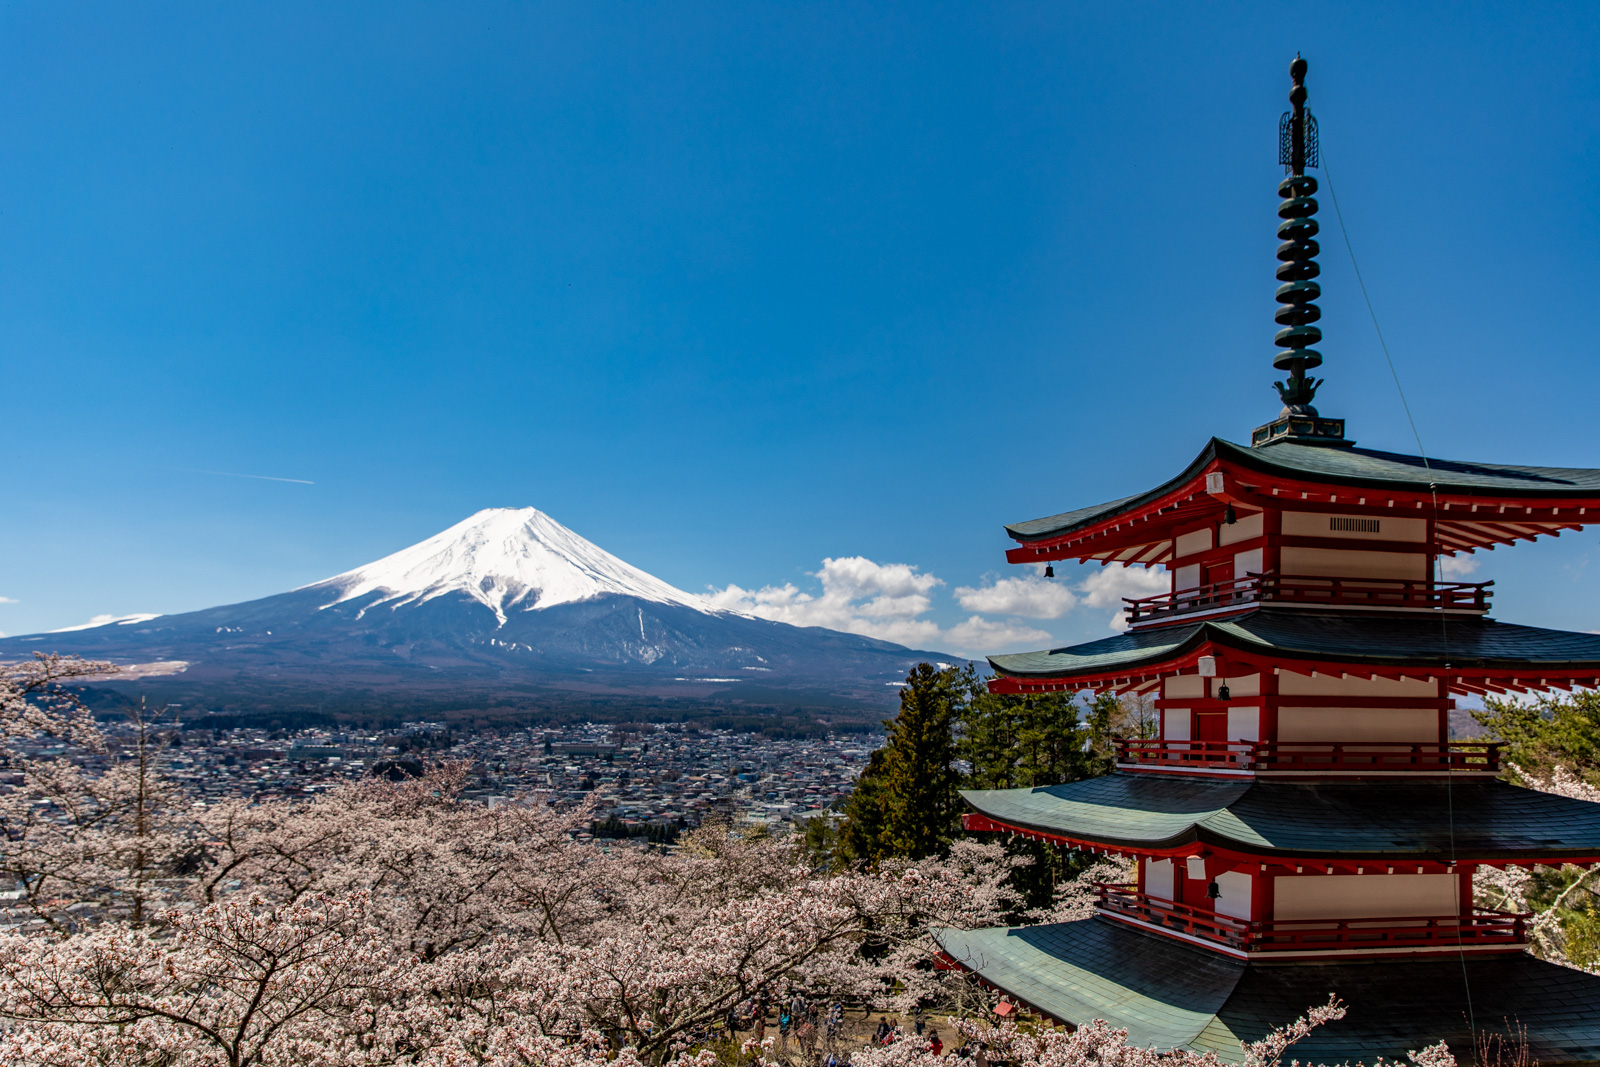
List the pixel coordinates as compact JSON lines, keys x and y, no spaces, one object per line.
{"x":109,"y":620}
{"x":506,"y":559}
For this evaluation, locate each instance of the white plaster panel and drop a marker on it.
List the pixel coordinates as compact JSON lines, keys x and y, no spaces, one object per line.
{"x":1243,"y":685}
{"x":1250,"y":562}
{"x":1187,"y":577}
{"x":1234,"y":894}
{"x":1329,"y":685}
{"x":1390,"y":527}
{"x":1352,"y":563}
{"x":1175,"y":724}
{"x":1358,"y":724}
{"x":1193,"y":541}
{"x":1247,"y":527}
{"x":1244,"y":724}
{"x":1185,"y":685}
{"x":1364,"y":896}
{"x":1158,"y":878}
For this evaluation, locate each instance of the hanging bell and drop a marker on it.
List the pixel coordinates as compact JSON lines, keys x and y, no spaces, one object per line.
{"x":1049,"y":570}
{"x":1229,"y":516}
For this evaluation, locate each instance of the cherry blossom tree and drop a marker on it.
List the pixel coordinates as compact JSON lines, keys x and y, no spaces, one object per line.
{"x":395,"y":922}
{"x":1099,"y":1044}
{"x":239,"y":983}
{"x":1511,"y":888}
{"x":93,"y":819}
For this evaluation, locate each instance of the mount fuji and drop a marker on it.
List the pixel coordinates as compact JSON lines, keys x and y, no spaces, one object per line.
{"x":506,"y":609}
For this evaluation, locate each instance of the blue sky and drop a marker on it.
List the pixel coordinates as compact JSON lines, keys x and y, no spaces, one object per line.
{"x":734,"y":289}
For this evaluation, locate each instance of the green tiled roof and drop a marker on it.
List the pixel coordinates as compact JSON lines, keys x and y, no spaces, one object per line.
{"x":1398,"y":640}
{"x":1075,"y":972}
{"x":1169,"y":995}
{"x":1363,"y":467}
{"x":1390,"y":819}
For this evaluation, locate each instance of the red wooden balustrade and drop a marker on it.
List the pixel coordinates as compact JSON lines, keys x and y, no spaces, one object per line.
{"x":1481,"y":926}
{"x":1344,"y":592}
{"x":1314,"y":755}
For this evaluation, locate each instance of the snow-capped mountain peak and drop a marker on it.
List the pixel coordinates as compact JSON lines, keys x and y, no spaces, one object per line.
{"x":506,"y":559}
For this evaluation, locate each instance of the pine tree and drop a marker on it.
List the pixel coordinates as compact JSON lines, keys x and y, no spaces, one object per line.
{"x":907,"y":802}
{"x":952,"y":733}
{"x":861,"y":835}
{"x":1543,"y":734}
{"x":1022,"y":742}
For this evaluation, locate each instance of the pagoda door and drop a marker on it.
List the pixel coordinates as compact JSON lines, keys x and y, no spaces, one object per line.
{"x":1211,"y":726}
{"x":1215,"y":577}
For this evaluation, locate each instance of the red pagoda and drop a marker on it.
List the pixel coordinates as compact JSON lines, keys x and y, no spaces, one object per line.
{"x":1304,"y":824}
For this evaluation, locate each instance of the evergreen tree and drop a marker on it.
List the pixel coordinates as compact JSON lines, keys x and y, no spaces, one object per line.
{"x":1547,"y":733}
{"x":862,"y":833}
{"x":906,"y":801}
{"x":1011,"y":742}
{"x":952,"y":733}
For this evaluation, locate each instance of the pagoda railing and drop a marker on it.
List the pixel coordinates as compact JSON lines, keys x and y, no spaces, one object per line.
{"x":1313,"y":755}
{"x":1481,"y":926}
{"x":1337,"y":592}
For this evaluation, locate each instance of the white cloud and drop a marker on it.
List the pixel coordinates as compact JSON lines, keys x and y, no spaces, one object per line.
{"x":852,"y":587}
{"x":1033,"y":596}
{"x":9,"y":600}
{"x":858,"y":596}
{"x":995,"y":638}
{"x":882,"y":600}
{"x":890,"y":601}
{"x":1107,"y":586}
{"x":1457,"y":566}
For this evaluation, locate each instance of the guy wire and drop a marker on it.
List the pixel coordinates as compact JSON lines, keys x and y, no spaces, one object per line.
{"x":1444,"y":625}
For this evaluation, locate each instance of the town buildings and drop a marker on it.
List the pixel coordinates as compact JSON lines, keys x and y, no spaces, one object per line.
{"x":665,"y":773}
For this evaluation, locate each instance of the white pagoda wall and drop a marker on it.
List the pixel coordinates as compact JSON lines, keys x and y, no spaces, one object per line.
{"x":1334,"y":724}
{"x":1158,"y":876}
{"x":1250,"y":561}
{"x":1355,"y":724}
{"x":1244,"y":724}
{"x":1365,"y":896}
{"x":1315,"y":896}
{"x":1354,"y":562}
{"x":1234,"y":887}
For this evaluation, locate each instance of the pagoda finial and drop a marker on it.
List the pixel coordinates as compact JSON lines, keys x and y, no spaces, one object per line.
{"x":1297,"y":269}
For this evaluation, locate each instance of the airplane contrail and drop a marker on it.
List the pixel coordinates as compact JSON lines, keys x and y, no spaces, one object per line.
{"x":261,"y":477}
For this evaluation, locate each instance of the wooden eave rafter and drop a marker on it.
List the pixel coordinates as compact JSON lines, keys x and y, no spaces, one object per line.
{"x":1139,"y":535}
{"x":1478,"y":681}
{"x":1463,"y":523}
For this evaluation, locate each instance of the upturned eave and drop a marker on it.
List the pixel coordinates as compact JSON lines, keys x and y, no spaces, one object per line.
{"x":1475,"y":505}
